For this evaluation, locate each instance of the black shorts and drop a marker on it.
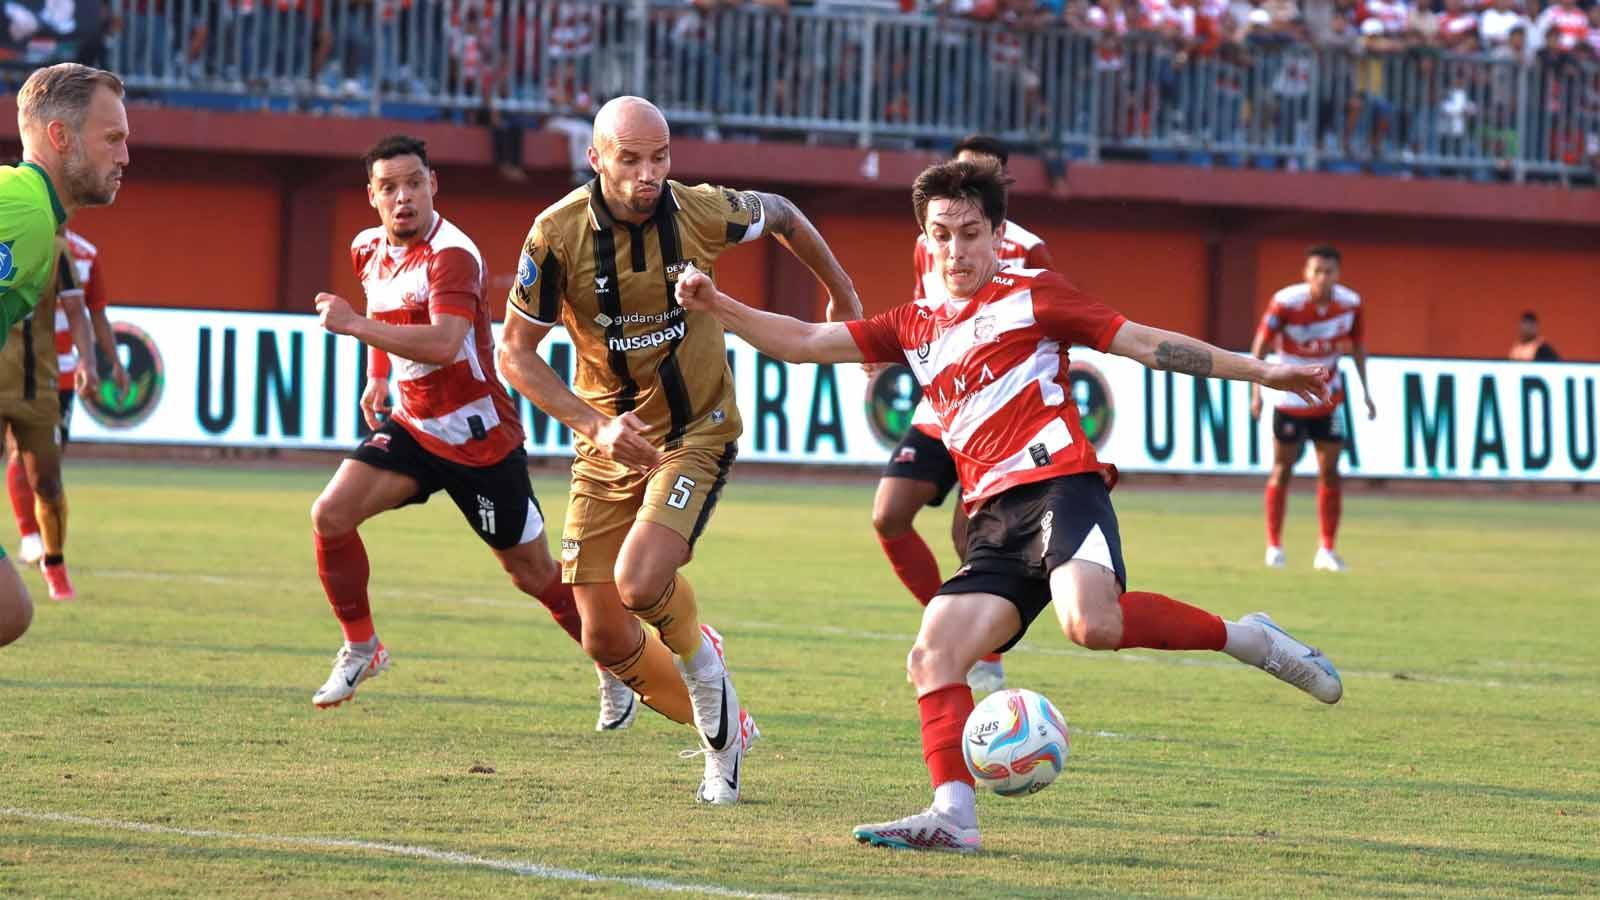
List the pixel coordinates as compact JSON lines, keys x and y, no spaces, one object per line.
{"x":1327,"y":429}
{"x":1017,"y":539}
{"x":65,"y":427}
{"x":922,"y":458}
{"x":497,"y":500}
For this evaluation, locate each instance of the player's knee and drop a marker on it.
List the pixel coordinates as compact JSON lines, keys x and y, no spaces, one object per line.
{"x":889,"y":521}
{"x":48,"y":488}
{"x":328,"y":518}
{"x":1093,"y":630}
{"x":931,"y":667}
{"x":607,"y":646}
{"x":531,"y":574}
{"x":640,"y":587}
{"x":16,"y":614}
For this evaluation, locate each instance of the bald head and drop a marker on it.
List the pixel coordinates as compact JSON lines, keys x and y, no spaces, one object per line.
{"x":631,"y":154}
{"x":626,"y":118}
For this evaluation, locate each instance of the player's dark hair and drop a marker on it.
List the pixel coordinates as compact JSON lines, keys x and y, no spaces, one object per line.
{"x":982,"y":143}
{"x":396,"y":145}
{"x":1324,"y":251}
{"x":982,"y":183}
{"x":1530,"y":316}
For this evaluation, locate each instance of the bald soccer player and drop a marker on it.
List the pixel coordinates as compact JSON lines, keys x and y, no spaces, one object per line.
{"x":652,"y":406}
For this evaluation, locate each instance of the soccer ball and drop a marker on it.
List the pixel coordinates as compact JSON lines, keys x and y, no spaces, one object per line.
{"x":1015,"y":742}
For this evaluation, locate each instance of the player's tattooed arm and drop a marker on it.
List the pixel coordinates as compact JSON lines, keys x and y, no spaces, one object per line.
{"x":790,"y":226}
{"x":1187,"y":359}
{"x":1169,"y":351}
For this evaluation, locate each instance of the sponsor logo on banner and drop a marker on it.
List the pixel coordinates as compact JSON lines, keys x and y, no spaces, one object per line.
{"x":146,"y":379}
{"x":892,"y":397}
{"x":1092,"y":392}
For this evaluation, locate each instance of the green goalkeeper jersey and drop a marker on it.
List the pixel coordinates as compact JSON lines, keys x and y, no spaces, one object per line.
{"x":30,"y":213}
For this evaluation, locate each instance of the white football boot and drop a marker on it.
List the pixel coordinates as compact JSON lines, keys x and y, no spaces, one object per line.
{"x":31,"y":549}
{"x":351,"y":667}
{"x":619,"y":705}
{"x":986,"y":677}
{"x":1328,"y":561}
{"x":1298,"y":664}
{"x":927,"y":830}
{"x":1275,"y":558}
{"x":726,"y":731}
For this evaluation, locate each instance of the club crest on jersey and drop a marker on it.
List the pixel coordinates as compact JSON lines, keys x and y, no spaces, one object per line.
{"x":527,"y":271}
{"x":569,"y":549}
{"x":718,"y":417}
{"x":924,"y":349}
{"x":983,"y":329}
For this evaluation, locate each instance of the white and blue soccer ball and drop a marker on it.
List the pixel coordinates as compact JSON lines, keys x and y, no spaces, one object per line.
{"x":1015,"y":742}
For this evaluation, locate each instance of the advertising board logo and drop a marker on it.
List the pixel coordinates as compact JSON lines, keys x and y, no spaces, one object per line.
{"x":892,"y":397}
{"x":1092,"y":393}
{"x":146,"y":375}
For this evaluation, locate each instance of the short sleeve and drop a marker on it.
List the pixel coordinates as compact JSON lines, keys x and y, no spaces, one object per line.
{"x":1066,"y":313}
{"x":94,"y":285}
{"x":1358,"y":327}
{"x":537,"y":291}
{"x":722,"y":217}
{"x":455,"y":283}
{"x":880,"y":337}
{"x":1271,"y":321}
{"x":27,"y":252}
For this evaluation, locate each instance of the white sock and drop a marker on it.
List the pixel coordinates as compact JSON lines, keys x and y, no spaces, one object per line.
{"x":705,"y":662}
{"x":367,"y":647}
{"x":957,"y":800}
{"x":1247,"y":643}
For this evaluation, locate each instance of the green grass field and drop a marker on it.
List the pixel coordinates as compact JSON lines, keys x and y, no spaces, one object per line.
{"x":158,"y":737}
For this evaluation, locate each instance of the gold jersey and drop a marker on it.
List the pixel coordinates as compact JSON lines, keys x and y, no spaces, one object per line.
{"x":611,"y":284}
{"x":29,"y":367}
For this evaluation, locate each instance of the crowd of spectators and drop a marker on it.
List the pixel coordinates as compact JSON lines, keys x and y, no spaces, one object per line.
{"x":1369,"y":81}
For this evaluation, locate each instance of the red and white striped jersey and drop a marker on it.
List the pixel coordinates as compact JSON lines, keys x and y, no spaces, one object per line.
{"x":457,"y":411}
{"x":1304,"y":333}
{"x":86,"y":266}
{"x":1019,"y":248}
{"x":994,"y":367}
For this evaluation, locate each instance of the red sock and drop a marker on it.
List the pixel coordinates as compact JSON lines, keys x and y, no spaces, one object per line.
{"x":992,"y":657}
{"x":1330,"y":502}
{"x":557,"y":598}
{"x":944,"y":714}
{"x":342,"y":566}
{"x":1162,"y":623}
{"x":911,"y":559}
{"x":21,"y":497}
{"x":1277,"y":501}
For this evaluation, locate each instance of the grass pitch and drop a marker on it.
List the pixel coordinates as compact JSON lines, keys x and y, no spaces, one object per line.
{"x":158,"y":737}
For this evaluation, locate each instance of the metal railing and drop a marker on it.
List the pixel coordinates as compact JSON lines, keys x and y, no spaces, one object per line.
{"x":876,"y":79}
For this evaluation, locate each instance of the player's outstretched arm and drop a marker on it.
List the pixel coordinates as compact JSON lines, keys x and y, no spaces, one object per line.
{"x":790,"y":226}
{"x":780,"y":337}
{"x":620,"y":438}
{"x":1170,"y":351}
{"x":436,"y":343}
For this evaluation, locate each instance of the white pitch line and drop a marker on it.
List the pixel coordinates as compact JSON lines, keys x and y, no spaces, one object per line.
{"x":1157,"y":658}
{"x":516,"y":867}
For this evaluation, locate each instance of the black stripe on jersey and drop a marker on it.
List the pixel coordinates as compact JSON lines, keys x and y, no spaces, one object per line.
{"x":610,"y":302}
{"x":30,"y":378}
{"x":670,"y":373}
{"x":736,"y":232}
{"x":550,"y":287}
{"x":724,"y":465}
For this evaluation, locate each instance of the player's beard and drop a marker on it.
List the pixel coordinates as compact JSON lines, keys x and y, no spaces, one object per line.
{"x":83,"y":183}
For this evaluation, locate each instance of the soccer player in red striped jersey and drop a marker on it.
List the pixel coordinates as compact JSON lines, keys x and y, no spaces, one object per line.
{"x":1314,"y":322}
{"x":920,"y":470}
{"x":453,"y":429}
{"x":993,"y":359}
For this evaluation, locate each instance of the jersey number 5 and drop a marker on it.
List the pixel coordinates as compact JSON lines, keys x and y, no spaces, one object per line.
{"x":681,"y":492}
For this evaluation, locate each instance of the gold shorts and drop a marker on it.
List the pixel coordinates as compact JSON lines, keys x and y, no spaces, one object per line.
{"x":35,"y":425}
{"x":607,"y":499}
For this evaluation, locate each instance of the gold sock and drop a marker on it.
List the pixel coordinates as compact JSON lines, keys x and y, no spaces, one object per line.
{"x":674,"y":615}
{"x":651,"y":674}
{"x":52,"y":516}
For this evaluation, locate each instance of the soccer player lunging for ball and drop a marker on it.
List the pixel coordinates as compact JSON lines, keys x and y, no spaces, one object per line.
{"x":993,"y":359}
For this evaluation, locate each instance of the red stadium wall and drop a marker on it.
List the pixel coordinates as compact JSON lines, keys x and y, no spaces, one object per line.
{"x":256,"y":213}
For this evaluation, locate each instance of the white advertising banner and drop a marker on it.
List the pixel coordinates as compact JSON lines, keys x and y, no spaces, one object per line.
{"x":270,"y":380}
